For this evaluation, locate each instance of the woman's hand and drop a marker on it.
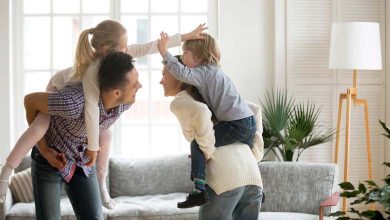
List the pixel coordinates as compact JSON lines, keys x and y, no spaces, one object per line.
{"x":162,"y":44}
{"x":195,"y":34}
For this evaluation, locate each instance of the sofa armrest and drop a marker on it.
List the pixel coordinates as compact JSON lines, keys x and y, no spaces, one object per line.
{"x":331,"y":201}
{"x":6,"y":204}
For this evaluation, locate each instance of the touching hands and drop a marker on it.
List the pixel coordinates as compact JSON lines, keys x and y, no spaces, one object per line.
{"x":162,"y":44}
{"x":92,"y":155}
{"x":55,"y":159}
{"x":195,"y":34}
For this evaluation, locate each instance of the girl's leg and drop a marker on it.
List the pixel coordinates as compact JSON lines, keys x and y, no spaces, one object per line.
{"x":29,"y":138}
{"x":102,"y":165}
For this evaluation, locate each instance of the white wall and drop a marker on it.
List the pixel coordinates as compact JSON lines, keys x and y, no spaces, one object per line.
{"x":6,"y":128}
{"x":246,"y":39}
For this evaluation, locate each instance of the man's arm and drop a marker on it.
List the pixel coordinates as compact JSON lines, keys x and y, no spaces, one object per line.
{"x":34,"y":103}
{"x":66,"y":103}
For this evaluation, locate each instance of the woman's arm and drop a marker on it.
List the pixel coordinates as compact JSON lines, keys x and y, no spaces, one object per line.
{"x":195,"y":121}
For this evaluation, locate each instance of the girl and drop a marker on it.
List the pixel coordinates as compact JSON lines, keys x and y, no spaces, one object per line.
{"x":235,"y":119}
{"x":108,"y":36}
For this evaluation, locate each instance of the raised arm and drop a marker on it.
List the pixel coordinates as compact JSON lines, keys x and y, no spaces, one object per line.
{"x":140,"y":50}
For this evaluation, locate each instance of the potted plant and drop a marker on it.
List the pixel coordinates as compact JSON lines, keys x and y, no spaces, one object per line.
{"x":366,"y":193}
{"x":290,"y":127}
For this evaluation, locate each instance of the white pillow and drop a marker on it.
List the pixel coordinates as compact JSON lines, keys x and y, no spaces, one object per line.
{"x":21,"y":186}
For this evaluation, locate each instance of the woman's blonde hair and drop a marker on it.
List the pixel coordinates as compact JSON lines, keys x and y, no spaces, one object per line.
{"x":206,"y":50}
{"x":107,"y":33}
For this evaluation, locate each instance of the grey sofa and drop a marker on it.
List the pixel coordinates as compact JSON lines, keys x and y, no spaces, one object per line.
{"x":150,"y":188}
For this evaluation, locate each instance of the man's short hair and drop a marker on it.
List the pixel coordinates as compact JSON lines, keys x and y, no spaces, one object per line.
{"x":113,"y":70}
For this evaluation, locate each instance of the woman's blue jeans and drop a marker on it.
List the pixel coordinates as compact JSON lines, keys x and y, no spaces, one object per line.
{"x":239,"y":203}
{"x":83,"y":192}
{"x":226,"y":132}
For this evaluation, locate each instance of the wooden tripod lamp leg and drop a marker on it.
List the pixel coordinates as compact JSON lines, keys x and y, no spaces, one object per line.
{"x":347,"y":139}
{"x":336,"y":152}
{"x":368,"y":140}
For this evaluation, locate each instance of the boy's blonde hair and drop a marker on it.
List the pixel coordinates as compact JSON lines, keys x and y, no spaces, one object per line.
{"x":107,"y":33}
{"x":206,"y":50}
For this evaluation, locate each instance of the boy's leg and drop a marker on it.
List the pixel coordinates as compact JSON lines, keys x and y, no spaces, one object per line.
{"x":28,"y":139}
{"x":47,"y":185}
{"x":228,"y":132}
{"x":198,"y":162}
{"x":101,"y":168}
{"x":84,"y":195}
{"x":198,"y":195}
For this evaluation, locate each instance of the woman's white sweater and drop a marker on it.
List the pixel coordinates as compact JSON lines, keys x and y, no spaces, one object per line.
{"x":228,"y":167}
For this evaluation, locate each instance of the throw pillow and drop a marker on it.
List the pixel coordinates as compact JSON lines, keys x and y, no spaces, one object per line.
{"x":21,"y":186}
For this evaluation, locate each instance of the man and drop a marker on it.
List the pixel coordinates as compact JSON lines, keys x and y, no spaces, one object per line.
{"x":67,"y":135}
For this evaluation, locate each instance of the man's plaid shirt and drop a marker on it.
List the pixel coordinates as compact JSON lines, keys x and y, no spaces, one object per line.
{"x":67,"y":132}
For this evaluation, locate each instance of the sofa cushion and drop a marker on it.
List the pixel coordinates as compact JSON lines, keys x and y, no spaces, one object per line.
{"x":147,"y":176}
{"x":152,"y":207}
{"x":26,"y":211}
{"x":297,"y":186}
{"x":288,"y":216}
{"x":21,"y":186}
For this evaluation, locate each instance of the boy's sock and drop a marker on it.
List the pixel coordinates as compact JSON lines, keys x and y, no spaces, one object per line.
{"x":200,"y":185}
{"x":5,"y":173}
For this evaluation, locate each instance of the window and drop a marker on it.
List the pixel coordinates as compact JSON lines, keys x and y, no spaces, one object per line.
{"x":49,"y":33}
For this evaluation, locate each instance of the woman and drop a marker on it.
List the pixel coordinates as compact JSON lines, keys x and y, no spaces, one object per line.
{"x":238,"y":192}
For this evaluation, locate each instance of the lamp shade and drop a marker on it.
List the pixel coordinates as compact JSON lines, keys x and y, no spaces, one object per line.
{"x":355,"y":45}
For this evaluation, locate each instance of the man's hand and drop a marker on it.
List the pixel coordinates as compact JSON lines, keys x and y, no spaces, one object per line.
{"x":162,"y":44}
{"x":195,"y":34}
{"x":92,"y":155}
{"x":55,"y":159}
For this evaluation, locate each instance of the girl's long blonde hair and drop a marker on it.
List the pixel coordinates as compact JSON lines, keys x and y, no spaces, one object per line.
{"x":107,"y":33}
{"x":207,"y":50}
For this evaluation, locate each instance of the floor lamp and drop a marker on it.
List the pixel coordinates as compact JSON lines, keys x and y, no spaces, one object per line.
{"x":354,"y":45}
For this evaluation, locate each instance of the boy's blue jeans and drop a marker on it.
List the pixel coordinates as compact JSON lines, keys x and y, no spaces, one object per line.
{"x":83,"y":192}
{"x":226,"y":132}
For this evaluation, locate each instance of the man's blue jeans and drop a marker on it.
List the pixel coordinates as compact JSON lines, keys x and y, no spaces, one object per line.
{"x":226,"y":132}
{"x":240,"y":203}
{"x":82,"y":191}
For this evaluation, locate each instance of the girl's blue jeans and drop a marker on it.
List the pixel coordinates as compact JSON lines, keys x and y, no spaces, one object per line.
{"x":226,"y":132}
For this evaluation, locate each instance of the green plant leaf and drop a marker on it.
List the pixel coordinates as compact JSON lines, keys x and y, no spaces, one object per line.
{"x":362,"y":188}
{"x":346,"y":186}
{"x":350,"y":194}
{"x":371,"y":214}
{"x":371,"y":183}
{"x":343,"y":218}
{"x":338,"y":213}
{"x":387,"y":130}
